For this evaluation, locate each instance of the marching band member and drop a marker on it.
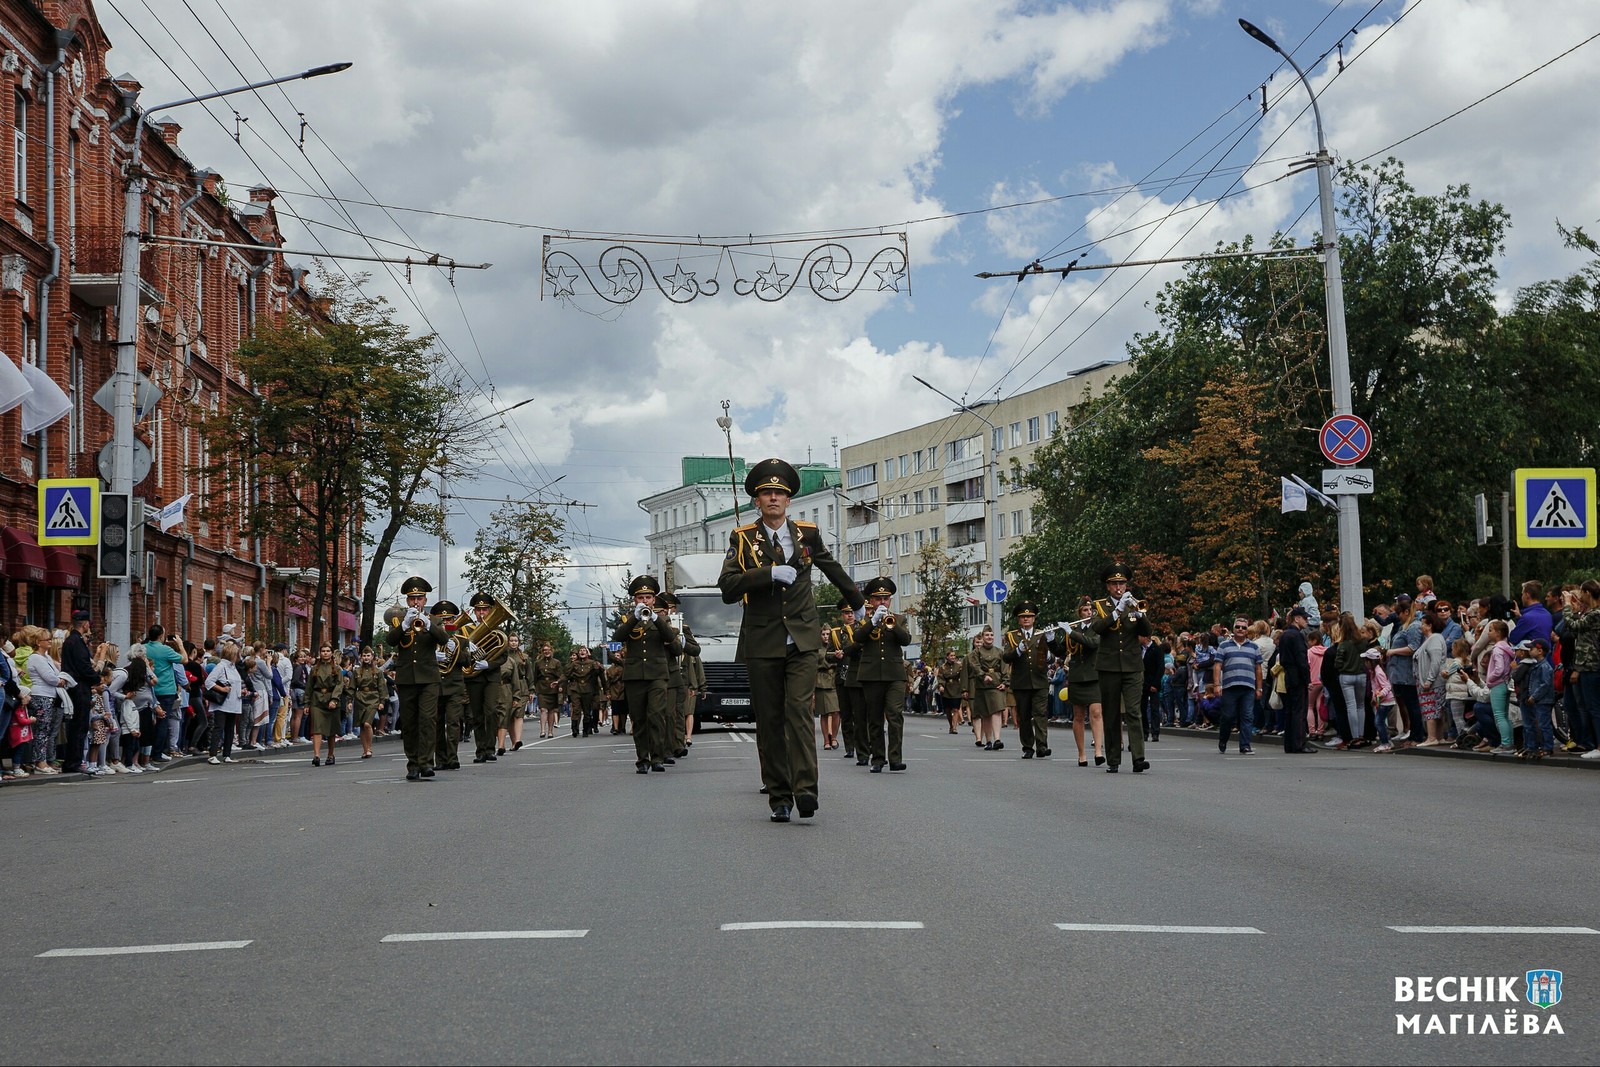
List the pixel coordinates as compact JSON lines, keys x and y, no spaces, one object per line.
{"x":1027,"y":652}
{"x":881,"y":667}
{"x":414,"y":639}
{"x":648,"y":642}
{"x":1120,"y":621}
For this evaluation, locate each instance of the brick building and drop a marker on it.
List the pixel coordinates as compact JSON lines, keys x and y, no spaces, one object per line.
{"x":60,"y":256}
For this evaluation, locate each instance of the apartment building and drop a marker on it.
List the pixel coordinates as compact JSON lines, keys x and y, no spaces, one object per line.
{"x":926,"y":483}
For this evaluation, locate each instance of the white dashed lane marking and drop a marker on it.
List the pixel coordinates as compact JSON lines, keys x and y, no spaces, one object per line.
{"x":1137,"y":928}
{"x":820,"y":924}
{"x":1493,"y":930}
{"x":135,"y":950}
{"x":483,"y":935}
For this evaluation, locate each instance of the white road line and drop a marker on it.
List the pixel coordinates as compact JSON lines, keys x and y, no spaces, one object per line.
{"x":133,"y":950}
{"x":175,"y":781}
{"x":1493,"y":930}
{"x":483,"y":935}
{"x":548,"y":763}
{"x":1137,"y":928}
{"x":274,"y":774}
{"x":822,"y":924}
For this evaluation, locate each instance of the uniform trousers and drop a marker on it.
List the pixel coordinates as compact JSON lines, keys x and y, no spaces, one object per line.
{"x":847,"y":720}
{"x":1119,"y":697}
{"x":786,"y":738}
{"x":1033,"y":719}
{"x":483,"y":708}
{"x":583,"y":711}
{"x":419,"y":716}
{"x":647,"y":701}
{"x":677,"y":718}
{"x":619,"y":714}
{"x":885,"y":712}
{"x":452,"y":710}
{"x":1294,"y":718}
{"x":853,"y":718}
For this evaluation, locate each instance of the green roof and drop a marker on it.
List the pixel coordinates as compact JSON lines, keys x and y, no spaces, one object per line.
{"x":814,"y":477}
{"x":697,"y":469}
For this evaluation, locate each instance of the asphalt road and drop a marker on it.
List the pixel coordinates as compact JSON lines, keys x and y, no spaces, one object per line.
{"x":640,"y":907}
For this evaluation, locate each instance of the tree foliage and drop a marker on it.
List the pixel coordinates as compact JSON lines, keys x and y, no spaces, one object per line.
{"x":944,"y":579}
{"x":514,"y":559}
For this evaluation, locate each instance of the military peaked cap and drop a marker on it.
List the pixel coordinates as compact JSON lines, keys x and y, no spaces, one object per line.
{"x":415,"y":585}
{"x":772,"y":474}
{"x":446,"y":608}
{"x":1025,"y":607}
{"x":879,"y":586}
{"x":645,"y":583}
{"x":482,"y":600}
{"x":1116,"y":572}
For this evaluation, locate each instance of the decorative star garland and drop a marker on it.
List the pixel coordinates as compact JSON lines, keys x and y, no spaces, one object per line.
{"x":683,"y":271}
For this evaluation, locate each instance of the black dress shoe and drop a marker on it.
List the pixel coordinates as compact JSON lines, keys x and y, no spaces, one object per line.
{"x":427,"y":772}
{"x":479,"y":759}
{"x":806,"y":805}
{"x":682,"y":752}
{"x":657,"y":767}
{"x":669,"y":759}
{"x":1099,"y":761}
{"x":516,"y":746}
{"x":1042,"y":753}
{"x":1027,"y":753}
{"x":330,"y":759}
{"x":989,"y":746}
{"x":1083,"y":763}
{"x":861,"y":761}
{"x":642,"y":767}
{"x":980,"y":743}
{"x":763,"y":790}
{"x":998,"y":745}
{"x":316,"y":761}
{"x":413,"y":776}
{"x":897,"y":766}
{"x":490,"y":759}
{"x":1111,"y":768}
{"x":877,"y":768}
{"x":780,"y":813}
{"x":849,"y":754}
{"x":1140,"y":766}
{"x":499,"y":752}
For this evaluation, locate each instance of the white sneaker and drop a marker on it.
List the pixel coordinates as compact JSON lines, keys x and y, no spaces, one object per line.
{"x":229,"y":759}
{"x":1593,"y":753}
{"x":214,"y":761}
{"x":136,"y":769}
{"x":114,"y":768}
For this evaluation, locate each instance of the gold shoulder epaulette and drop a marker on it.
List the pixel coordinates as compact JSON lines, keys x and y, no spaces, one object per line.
{"x":746,"y":528}
{"x":805,"y":525}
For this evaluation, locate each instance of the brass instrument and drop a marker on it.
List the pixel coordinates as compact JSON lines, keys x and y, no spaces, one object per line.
{"x":393,"y":614}
{"x":485,"y":633}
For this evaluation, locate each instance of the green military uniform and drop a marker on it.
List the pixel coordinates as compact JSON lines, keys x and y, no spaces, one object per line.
{"x":951,"y":689}
{"x":770,"y":570}
{"x":483,"y":688}
{"x":678,"y":690}
{"x":416,"y":675}
{"x":617,"y":697}
{"x":649,"y":643}
{"x":452,"y":690}
{"x":370,"y":690}
{"x":848,"y":686}
{"x":1083,"y":677}
{"x":1028,"y":656}
{"x":1120,"y":662}
{"x":548,"y":677}
{"x":827,"y":691}
{"x":881,"y":666}
{"x":584,"y":678}
{"x":694,"y":672}
{"x":517,"y":679}
{"x":325,"y":693}
{"x":984,"y":672}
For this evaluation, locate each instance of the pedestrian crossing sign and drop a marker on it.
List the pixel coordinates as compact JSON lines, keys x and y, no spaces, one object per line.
{"x":1555,"y":507}
{"x":69,"y":511}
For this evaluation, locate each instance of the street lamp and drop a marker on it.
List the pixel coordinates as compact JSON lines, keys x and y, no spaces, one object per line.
{"x":991,"y":540}
{"x":119,"y":602}
{"x":1351,"y":597}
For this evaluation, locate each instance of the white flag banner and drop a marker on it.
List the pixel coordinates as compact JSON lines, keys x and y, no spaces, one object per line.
{"x":46,"y":405}
{"x":1294,"y":497}
{"x":14,"y":388}
{"x":172,"y":514}
{"x":1314,"y":493}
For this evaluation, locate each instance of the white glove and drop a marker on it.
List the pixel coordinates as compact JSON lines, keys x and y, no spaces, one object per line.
{"x":440,"y":655}
{"x":472,"y":648}
{"x":481,"y":665}
{"x":782,"y":572}
{"x":879,"y":613}
{"x":412,"y":615}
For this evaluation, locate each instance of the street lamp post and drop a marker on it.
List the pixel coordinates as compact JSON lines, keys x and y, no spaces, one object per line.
{"x":1351,"y":597}
{"x":990,"y":536}
{"x":119,"y":596}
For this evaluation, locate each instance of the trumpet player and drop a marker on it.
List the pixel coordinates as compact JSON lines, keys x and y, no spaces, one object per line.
{"x":1083,"y":684}
{"x":882,"y":667}
{"x":1027,"y":652}
{"x":415,"y":638}
{"x":648,"y":642}
{"x":452,"y":689}
{"x":1120,"y":621}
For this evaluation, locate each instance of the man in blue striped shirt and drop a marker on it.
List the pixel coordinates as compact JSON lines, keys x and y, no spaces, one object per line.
{"x":1238,"y":673}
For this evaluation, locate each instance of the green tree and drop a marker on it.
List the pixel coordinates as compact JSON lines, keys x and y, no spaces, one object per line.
{"x":515,"y":560}
{"x":945,"y":582}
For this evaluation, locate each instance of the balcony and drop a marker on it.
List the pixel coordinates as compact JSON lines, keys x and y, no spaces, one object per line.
{"x":961,"y":469}
{"x":97,"y":268}
{"x":962,"y":511}
{"x":865,"y":532}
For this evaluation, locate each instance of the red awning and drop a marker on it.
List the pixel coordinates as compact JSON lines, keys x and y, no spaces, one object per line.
{"x":62,"y":568}
{"x":24,"y":558}
{"x":349,"y":621}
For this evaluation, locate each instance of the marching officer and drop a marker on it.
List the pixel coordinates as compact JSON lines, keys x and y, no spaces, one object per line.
{"x":768,"y":567}
{"x":452,"y":660}
{"x":649,"y":642}
{"x":1120,"y":661}
{"x":324,"y":696}
{"x":1083,"y":684}
{"x":415,"y":638}
{"x":882,"y":669}
{"x":678,"y":707}
{"x":1028,"y":654}
{"x":516,"y":686}
{"x":548,"y":677}
{"x":949,"y":691}
{"x":694,"y":676}
{"x":483,"y":687}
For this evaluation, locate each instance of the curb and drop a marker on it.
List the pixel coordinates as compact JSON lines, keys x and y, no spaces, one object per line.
{"x":1560,"y":759}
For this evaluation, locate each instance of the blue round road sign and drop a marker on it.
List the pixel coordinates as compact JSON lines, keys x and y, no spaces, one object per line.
{"x":1345,"y":440}
{"x":995,"y":591}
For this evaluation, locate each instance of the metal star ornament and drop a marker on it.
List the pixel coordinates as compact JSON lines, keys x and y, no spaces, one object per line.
{"x":824,"y":276}
{"x":680,"y":280}
{"x":564,"y":279}
{"x":771,"y":279}
{"x":625,"y":282}
{"x":889,"y":278}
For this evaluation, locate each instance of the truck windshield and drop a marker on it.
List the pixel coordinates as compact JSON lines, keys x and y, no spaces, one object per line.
{"x":708,"y":616}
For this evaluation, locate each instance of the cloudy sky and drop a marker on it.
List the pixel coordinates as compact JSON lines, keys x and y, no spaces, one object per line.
{"x":486,"y":126}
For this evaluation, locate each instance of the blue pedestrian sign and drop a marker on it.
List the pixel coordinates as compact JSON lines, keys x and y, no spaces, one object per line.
{"x":995,"y":591}
{"x":1555,"y":507}
{"x":69,"y":511}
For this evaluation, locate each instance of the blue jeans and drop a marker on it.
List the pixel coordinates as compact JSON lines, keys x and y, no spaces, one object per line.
{"x":1588,"y":714}
{"x":1238,"y":706}
{"x":1537,"y":733}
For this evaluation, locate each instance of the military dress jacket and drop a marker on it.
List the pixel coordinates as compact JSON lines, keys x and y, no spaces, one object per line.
{"x":414,"y":662}
{"x":614,"y":689}
{"x":981,"y":663}
{"x":325,"y":685}
{"x":776,"y":614}
{"x":584,"y":677}
{"x":649,"y":647}
{"x":679,"y":676}
{"x":878,"y":655}
{"x":1082,"y":648}
{"x":1029,"y":659}
{"x":1119,"y":649}
{"x":521,"y":676}
{"x":548,"y":676}
{"x":371,"y":688}
{"x":838,"y":648}
{"x":951,"y":684}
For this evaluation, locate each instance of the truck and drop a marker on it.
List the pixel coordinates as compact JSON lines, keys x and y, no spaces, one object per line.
{"x":715,"y":626}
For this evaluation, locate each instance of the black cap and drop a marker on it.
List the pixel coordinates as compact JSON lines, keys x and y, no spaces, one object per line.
{"x":668,"y":600}
{"x":414,"y":585}
{"x":1297,"y":610}
{"x":482,"y":600}
{"x":645,"y":583}
{"x":1025,"y":607}
{"x":882,"y":585}
{"x":81,"y":616}
{"x":446,"y":608}
{"x":1116,"y":572}
{"x":772,"y":474}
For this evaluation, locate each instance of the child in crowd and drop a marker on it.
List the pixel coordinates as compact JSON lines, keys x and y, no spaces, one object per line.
{"x":1538,"y":737}
{"x":1383,"y":698}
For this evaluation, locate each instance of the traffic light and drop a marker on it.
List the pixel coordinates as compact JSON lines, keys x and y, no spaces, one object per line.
{"x":115,"y":512}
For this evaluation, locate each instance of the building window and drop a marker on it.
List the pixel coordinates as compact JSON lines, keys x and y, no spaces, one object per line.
{"x":920,"y":541}
{"x":933,"y":457}
{"x":888,"y":468}
{"x":905,"y":466}
{"x":905,"y":544}
{"x":999,"y":441}
{"x":1016,"y":524}
{"x":933,"y":534}
{"x":919,"y":502}
{"x":916,"y":460}
{"x":1052,"y":421}
{"x":1016,"y":434}
{"x":933,"y":496}
{"x":75,"y":394}
{"x":1033,"y":429}
{"x":865,"y":474}
{"x":830,"y":516}
{"x":20,"y":147}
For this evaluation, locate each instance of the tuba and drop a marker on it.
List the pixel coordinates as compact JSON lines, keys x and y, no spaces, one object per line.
{"x":485,"y":634}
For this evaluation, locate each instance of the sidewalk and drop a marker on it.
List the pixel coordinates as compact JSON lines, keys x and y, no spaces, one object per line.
{"x":1560,"y":759}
